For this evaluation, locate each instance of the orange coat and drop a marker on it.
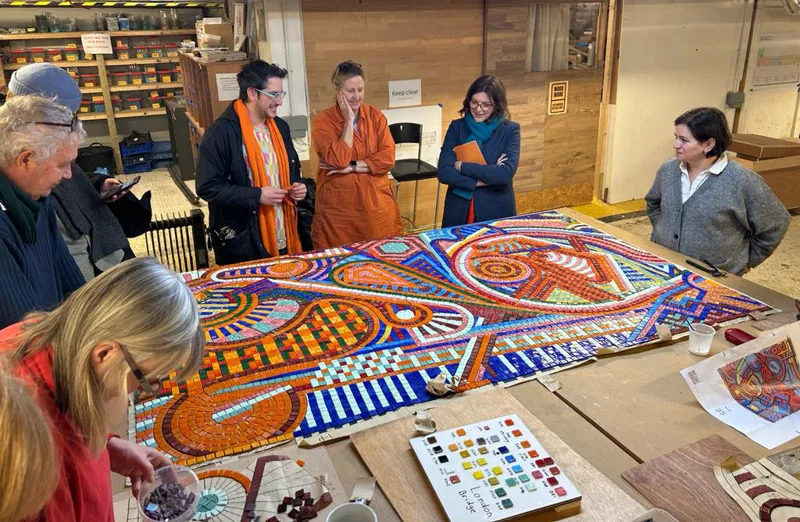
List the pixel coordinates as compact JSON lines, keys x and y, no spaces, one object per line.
{"x":357,"y":206}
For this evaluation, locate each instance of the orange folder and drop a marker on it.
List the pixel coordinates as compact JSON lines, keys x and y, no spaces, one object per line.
{"x":469,"y":153}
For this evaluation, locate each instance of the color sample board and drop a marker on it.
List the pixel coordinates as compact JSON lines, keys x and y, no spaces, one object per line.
{"x":299,"y":345}
{"x":492,"y":470}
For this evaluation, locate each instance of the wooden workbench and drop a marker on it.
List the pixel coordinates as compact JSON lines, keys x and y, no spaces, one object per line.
{"x":618,"y":411}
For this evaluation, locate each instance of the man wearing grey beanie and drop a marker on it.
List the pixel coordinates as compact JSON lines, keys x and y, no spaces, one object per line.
{"x":93,"y":235}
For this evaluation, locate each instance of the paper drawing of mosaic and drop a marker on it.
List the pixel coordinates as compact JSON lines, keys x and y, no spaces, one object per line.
{"x":766,"y":383}
{"x":302,"y":344}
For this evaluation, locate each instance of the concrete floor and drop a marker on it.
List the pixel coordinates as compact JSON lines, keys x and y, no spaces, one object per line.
{"x":781,"y":272}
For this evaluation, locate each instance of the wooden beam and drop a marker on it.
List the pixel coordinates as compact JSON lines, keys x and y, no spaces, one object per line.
{"x":112,"y":124}
{"x":737,"y":115}
{"x":611,"y":48}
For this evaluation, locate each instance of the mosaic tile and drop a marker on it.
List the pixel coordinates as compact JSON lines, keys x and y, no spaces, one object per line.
{"x":299,"y":345}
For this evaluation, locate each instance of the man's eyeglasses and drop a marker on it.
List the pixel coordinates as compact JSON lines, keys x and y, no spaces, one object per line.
{"x":274,"y":95}
{"x":482,"y":106}
{"x":149,"y":388}
{"x":72,"y":124}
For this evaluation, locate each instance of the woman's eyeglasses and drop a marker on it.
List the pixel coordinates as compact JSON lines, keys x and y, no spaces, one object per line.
{"x":482,"y":106}
{"x":150,"y":389}
{"x":72,"y":124}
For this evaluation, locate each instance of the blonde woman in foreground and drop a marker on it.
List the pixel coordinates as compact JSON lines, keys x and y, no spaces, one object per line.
{"x":126,"y":329}
{"x":27,"y":458}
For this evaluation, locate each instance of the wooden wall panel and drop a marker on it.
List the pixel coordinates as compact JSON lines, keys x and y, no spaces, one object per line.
{"x":439,"y":41}
{"x":558,"y":153}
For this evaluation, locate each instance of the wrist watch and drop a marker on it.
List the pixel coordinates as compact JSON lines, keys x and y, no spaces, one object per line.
{"x":354,"y":164}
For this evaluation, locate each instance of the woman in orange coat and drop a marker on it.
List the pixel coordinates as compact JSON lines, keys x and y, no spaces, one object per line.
{"x":356,"y":151}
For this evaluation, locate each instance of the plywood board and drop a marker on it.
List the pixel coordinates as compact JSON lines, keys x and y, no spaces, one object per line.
{"x":682,"y":482}
{"x":387,"y":453}
{"x":756,"y":146}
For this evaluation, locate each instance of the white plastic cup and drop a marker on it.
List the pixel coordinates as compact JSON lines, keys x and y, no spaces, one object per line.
{"x":352,"y":512}
{"x":700,"y":337}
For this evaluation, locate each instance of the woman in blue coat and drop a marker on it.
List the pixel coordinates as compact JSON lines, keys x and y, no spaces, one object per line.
{"x":481,"y":192}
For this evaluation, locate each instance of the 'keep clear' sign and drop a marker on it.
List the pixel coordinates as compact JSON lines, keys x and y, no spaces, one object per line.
{"x":405,"y":93}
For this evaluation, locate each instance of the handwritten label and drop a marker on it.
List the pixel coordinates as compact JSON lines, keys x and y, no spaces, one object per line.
{"x":405,"y":93}
{"x":94,"y":43}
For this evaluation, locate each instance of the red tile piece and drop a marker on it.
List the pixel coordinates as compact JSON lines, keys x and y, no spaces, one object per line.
{"x":516,"y":433}
{"x":552,"y":481}
{"x":537,"y":474}
{"x":560,"y":491}
{"x":509,"y":422}
{"x":548,"y":461}
{"x":454,"y":479}
{"x":555,"y":471}
{"x":540,"y":463}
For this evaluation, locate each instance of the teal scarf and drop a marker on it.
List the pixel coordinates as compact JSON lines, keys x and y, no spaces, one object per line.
{"x":22,"y":210}
{"x":480,"y":133}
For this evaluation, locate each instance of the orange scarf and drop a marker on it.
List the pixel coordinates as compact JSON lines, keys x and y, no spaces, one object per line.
{"x":266,"y":214}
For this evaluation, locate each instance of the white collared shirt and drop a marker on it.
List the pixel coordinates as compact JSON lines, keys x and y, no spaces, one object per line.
{"x":688,"y":188}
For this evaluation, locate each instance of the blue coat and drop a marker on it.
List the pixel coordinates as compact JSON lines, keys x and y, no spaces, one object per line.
{"x":497,"y":199}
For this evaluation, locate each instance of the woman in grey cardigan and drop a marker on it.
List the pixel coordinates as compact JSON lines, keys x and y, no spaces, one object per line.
{"x":707,"y":207}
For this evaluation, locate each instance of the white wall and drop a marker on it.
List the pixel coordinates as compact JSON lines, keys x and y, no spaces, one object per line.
{"x":770,"y":111}
{"x":674,"y":55}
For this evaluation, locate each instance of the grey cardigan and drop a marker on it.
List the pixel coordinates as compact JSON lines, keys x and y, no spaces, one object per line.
{"x":733,"y":219}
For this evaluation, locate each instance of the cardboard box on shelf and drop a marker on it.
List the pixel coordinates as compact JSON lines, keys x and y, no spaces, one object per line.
{"x":214,"y":34}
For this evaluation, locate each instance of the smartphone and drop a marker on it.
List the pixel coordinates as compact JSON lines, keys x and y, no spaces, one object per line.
{"x":124,"y":186}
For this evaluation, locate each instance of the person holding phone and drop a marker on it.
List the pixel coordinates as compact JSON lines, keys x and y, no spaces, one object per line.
{"x":478,"y":192}
{"x":92,"y":233}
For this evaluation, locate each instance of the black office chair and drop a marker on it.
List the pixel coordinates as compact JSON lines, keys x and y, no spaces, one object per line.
{"x":412,"y":169}
{"x":179,"y":242}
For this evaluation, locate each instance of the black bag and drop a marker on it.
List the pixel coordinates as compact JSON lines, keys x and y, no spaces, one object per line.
{"x":133,"y":214}
{"x":96,"y":156}
{"x":305,"y":213}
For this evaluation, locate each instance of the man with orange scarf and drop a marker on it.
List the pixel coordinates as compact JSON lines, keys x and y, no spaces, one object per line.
{"x":249,"y":172}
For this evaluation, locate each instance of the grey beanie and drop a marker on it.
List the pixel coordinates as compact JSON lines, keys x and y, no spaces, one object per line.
{"x":47,"y":80}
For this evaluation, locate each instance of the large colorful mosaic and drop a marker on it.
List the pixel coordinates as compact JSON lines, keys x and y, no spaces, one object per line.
{"x":766,"y":383}
{"x":302,"y":344}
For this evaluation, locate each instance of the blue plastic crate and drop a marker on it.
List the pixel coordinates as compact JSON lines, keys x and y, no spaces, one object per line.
{"x":162,"y":147}
{"x":161,"y":164}
{"x":137,"y":159}
{"x":142,"y":148}
{"x":136,"y":169}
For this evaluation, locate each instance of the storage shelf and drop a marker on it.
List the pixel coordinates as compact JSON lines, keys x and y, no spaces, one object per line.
{"x":141,"y":61}
{"x":60,"y":36}
{"x":141,"y":112}
{"x":63,"y":64}
{"x":145,"y":87}
{"x":91,"y":117}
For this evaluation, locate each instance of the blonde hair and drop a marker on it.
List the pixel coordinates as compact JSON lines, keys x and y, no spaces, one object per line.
{"x":344,"y":71}
{"x":139,"y":304}
{"x":28,"y":460}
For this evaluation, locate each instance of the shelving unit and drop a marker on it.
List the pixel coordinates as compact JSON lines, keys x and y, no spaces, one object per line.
{"x":58,"y":36}
{"x":146,"y":87}
{"x":101,"y":63}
